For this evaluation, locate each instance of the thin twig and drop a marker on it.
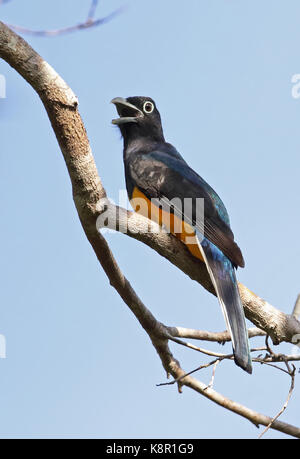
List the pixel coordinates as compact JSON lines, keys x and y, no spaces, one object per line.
{"x":211,"y":383}
{"x":271,"y":357}
{"x":201,"y":367}
{"x":55,"y":32}
{"x":219,"y":357}
{"x":196,"y":348}
{"x":292,"y":375}
{"x":203,"y":335}
{"x":92,"y":10}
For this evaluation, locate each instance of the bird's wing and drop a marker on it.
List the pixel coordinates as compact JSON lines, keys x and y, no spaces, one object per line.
{"x":163,"y":175}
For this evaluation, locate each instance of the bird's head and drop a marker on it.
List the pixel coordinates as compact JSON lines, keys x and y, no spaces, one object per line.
{"x":139,"y":117}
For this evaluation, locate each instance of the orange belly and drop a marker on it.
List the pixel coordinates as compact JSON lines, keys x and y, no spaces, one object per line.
{"x":182,"y":230}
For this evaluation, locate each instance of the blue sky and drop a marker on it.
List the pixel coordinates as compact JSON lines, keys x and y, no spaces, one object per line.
{"x":78,"y":364}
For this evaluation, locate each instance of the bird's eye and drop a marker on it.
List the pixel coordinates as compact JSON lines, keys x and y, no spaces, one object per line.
{"x":148,"y":107}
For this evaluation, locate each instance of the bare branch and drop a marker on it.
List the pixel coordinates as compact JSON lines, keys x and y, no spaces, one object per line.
{"x":87,"y":24}
{"x":253,"y":416}
{"x":92,"y":10}
{"x":211,"y":383}
{"x":292,"y":375}
{"x":198,"y":349}
{"x":203,"y":335}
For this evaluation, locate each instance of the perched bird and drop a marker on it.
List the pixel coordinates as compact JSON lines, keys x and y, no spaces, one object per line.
{"x":157,"y":175}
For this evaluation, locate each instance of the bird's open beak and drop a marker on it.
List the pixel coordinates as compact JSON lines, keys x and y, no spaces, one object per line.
{"x":129,"y":113}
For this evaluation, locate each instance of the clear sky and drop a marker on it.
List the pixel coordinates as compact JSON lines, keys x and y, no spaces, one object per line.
{"x":78,"y":363}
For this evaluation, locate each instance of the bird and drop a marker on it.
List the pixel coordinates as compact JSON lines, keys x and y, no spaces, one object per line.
{"x":163,"y":187}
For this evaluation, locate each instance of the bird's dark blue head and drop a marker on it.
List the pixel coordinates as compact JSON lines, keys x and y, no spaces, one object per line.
{"x":139,"y":118}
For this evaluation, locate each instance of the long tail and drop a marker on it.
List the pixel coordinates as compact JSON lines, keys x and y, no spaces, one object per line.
{"x":222,"y":274}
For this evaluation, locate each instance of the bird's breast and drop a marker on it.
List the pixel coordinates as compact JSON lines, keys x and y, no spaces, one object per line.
{"x":172,"y":223}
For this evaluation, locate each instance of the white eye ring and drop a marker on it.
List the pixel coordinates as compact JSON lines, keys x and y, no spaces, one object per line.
{"x":148,"y":107}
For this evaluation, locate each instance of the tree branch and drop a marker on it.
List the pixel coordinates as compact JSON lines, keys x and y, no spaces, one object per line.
{"x":87,"y":24}
{"x":203,"y":335}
